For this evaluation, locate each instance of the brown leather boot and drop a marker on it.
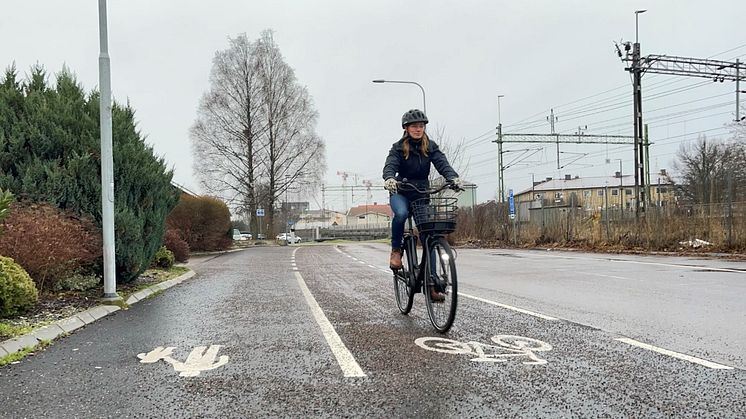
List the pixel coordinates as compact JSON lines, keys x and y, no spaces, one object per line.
{"x":436,"y":296}
{"x":395,"y":260}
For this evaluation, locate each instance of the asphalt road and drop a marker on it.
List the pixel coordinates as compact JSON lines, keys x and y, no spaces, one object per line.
{"x":314,"y":331}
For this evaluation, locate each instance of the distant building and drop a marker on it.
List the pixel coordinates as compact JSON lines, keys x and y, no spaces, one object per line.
{"x":370,"y":215}
{"x":321,"y":218}
{"x":591,"y":193}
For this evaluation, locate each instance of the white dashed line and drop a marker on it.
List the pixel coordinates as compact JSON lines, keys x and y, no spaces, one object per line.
{"x":520,"y":310}
{"x":700,"y":361}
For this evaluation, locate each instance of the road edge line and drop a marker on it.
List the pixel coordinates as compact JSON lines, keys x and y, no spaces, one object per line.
{"x":520,"y":310}
{"x":678,"y":355}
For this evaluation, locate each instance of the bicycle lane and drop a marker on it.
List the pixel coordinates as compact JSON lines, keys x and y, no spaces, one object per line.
{"x":586,"y":373}
{"x":260,"y":351}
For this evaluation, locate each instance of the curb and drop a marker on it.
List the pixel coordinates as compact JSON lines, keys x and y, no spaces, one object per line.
{"x":72,"y":323}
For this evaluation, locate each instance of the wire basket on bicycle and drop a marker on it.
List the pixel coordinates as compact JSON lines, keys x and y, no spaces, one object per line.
{"x":435,"y":214}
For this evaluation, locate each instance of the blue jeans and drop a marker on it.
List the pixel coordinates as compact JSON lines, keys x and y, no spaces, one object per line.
{"x":400,"y":206}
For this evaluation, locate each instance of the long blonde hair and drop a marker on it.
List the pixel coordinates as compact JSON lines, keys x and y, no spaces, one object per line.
{"x":424,"y":144}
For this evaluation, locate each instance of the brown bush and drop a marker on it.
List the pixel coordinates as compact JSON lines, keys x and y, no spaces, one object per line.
{"x":173,"y":242}
{"x":202,"y":221}
{"x":49,"y":243}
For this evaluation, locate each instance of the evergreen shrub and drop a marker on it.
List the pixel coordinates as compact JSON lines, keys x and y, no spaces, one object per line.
{"x":17,"y":290}
{"x":50,"y":152}
{"x":164,"y":258}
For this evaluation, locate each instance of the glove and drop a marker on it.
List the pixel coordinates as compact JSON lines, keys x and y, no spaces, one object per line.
{"x":390,"y":185}
{"x":457,"y":183}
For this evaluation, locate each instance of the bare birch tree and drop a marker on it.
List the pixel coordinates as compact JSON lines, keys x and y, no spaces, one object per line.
{"x":455,"y":151}
{"x":293,"y":154}
{"x":255,"y":131}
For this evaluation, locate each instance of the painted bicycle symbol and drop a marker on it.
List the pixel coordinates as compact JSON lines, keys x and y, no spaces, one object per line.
{"x":506,"y":347}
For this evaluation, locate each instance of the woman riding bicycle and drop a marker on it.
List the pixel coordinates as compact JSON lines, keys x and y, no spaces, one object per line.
{"x":410,"y":158}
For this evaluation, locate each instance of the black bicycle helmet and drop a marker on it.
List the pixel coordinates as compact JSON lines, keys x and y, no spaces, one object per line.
{"x":412,"y":116}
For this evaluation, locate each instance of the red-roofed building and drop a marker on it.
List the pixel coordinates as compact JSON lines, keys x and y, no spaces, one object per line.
{"x":370,"y":215}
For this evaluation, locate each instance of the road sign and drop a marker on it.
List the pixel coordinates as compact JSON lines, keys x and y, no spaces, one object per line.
{"x":260,"y":212}
{"x":511,"y":204}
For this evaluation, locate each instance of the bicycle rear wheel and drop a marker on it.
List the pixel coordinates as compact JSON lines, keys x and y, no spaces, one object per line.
{"x":403,"y":279}
{"x":443,"y":279}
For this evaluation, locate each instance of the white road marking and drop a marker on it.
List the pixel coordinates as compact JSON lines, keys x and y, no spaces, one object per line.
{"x":700,"y":361}
{"x":520,"y":310}
{"x":350,"y":367}
{"x":673,"y":265}
{"x":200,"y":359}
{"x":604,"y":276}
{"x":509,"y":346}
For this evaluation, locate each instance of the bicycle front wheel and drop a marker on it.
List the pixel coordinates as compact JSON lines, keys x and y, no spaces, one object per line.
{"x":442,"y":279}
{"x":403,"y":279}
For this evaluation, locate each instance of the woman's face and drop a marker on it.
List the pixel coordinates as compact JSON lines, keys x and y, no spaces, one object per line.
{"x":416,"y":130}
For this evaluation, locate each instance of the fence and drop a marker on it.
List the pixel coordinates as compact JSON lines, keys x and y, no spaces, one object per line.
{"x":659,"y":228}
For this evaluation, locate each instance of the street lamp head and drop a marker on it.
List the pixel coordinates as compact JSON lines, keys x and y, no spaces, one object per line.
{"x":379,"y":81}
{"x":637,"y":12}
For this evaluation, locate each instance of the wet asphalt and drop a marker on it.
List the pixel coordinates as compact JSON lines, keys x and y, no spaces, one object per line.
{"x":280,"y":365}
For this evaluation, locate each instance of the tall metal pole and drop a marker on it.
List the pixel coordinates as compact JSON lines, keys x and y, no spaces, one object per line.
{"x":646,"y":168}
{"x":107,"y":160}
{"x":551,"y":118}
{"x":637,"y":102}
{"x":621,"y":188}
{"x":638,"y":127}
{"x":738,"y":89}
{"x":500,"y":169}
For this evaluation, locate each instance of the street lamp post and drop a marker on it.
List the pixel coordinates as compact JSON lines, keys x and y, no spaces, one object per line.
{"x":424,"y":106}
{"x":107,"y":159}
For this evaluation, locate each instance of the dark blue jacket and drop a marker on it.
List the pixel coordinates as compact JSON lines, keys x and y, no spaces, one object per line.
{"x":416,"y":169}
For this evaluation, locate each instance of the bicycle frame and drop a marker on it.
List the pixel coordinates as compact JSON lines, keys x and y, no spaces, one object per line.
{"x":410,"y":241}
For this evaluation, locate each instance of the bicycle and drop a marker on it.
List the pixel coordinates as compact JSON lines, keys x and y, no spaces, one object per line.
{"x":435,"y":217}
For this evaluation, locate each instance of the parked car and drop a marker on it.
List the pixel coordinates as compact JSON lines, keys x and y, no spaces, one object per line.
{"x":247,"y":235}
{"x":240,"y":236}
{"x":290,"y":238}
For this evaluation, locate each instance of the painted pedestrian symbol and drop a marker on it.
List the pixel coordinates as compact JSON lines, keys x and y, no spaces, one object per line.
{"x":200,"y":359}
{"x":508,"y":346}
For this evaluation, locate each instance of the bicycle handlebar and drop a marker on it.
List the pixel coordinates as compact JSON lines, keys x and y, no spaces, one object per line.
{"x":430,"y":191}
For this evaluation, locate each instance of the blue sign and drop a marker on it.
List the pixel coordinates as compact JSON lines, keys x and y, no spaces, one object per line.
{"x":260,"y":212}
{"x":511,"y":203}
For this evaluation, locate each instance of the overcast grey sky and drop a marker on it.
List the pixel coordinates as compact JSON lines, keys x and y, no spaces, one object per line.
{"x":539,"y":54}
